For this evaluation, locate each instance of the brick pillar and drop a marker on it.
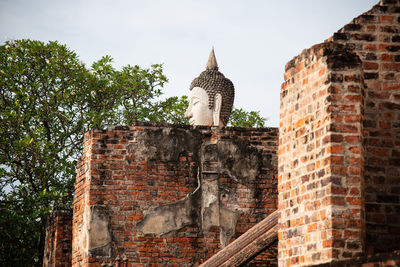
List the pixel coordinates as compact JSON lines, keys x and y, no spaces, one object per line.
{"x":58,"y":245}
{"x":81,"y":201}
{"x":320,"y":164}
{"x":375,"y":38}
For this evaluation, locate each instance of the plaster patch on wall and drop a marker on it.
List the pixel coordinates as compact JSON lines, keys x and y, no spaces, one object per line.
{"x":228,"y":220}
{"x":99,"y":227}
{"x":81,"y":241}
{"x":95,"y":235}
{"x":167,"y":218}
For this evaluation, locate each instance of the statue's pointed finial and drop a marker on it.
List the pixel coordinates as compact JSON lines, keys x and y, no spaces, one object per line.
{"x":212,"y":61}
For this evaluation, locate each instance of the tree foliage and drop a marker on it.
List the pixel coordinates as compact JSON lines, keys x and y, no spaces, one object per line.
{"x":48,"y":99}
{"x":242,"y":118}
{"x":43,"y":94}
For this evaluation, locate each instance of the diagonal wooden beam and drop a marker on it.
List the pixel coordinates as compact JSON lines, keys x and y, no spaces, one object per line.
{"x":248,"y":244}
{"x":253,"y":249}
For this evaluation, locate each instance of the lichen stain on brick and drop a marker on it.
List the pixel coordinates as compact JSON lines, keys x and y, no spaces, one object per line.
{"x":239,"y":160}
{"x":215,"y":203}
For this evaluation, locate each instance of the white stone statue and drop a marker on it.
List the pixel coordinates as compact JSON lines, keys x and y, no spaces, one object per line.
{"x":198,"y":111}
{"x":211,"y":97}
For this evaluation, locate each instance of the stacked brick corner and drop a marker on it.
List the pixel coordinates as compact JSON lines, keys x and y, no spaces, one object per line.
{"x":375,"y":38}
{"x":320,"y":157}
{"x":339,"y":160}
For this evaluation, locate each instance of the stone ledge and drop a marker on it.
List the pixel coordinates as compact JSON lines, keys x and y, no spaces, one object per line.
{"x":183,"y":126}
{"x":380,"y":259}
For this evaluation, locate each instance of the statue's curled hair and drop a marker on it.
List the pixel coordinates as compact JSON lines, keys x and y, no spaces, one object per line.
{"x":214,"y":82}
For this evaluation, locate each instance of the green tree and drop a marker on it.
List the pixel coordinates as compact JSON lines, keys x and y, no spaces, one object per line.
{"x":242,"y":118}
{"x":42,"y":89}
{"x":48,"y":99}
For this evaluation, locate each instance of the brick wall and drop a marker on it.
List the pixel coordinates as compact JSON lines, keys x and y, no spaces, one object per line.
{"x":339,"y":160}
{"x":375,"y":37}
{"x":266,"y":258}
{"x":58,"y":246}
{"x":320,"y":157}
{"x":130,"y":178}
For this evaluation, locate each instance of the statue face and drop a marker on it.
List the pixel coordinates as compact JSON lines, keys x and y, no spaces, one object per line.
{"x":198,"y":111}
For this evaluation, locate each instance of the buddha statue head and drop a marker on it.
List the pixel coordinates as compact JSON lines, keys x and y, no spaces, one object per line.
{"x":211,"y":97}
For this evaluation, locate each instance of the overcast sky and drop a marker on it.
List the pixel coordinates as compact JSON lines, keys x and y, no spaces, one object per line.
{"x":253,"y":39}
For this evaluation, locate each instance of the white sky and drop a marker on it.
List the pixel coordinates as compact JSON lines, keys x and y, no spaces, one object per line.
{"x":253,"y":39}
